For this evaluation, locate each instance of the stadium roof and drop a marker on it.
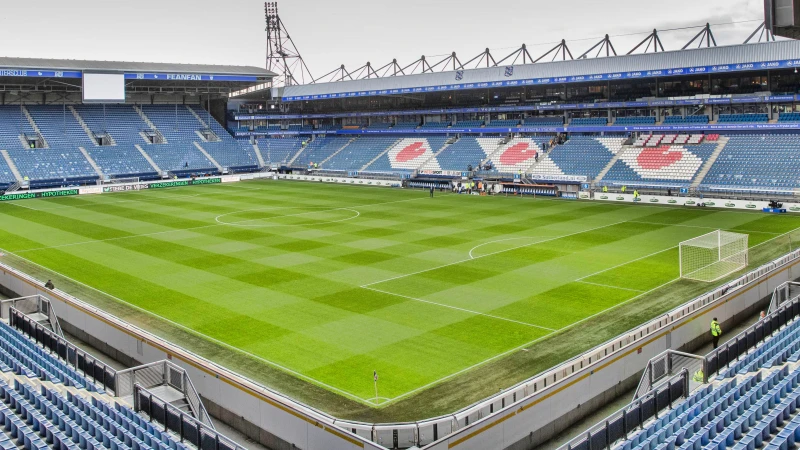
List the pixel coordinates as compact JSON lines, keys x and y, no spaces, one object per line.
{"x":780,"y":54}
{"x":120,"y":66}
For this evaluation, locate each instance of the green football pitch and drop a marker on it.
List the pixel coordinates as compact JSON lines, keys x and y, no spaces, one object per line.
{"x":309,"y":288}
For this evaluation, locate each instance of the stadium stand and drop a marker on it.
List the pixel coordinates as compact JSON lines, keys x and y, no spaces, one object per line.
{"x":463,"y":153}
{"x":516,"y":155}
{"x":6,"y":176}
{"x":179,"y":157}
{"x":320,"y":149}
{"x":116,"y":160}
{"x":759,"y":161}
{"x":668,"y":164}
{"x":405,"y":125}
{"x":227,"y":151}
{"x":175,"y":122}
{"x":59,"y":127}
{"x":408,"y":154}
{"x":379,"y":126}
{"x":503,"y":123}
{"x":48,"y":167}
{"x":432,"y":125}
{"x":588,"y":121}
{"x":789,"y":117}
{"x":580,"y":155}
{"x":676,"y":120}
{"x":544,"y":121}
{"x":642,"y":120}
{"x":122,"y":122}
{"x":13,"y":123}
{"x":476,"y":123}
{"x":359,"y":153}
{"x":742,"y":118}
{"x":279,"y":150}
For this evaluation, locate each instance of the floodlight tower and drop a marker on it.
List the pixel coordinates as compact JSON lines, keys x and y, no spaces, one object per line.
{"x":283,"y":58}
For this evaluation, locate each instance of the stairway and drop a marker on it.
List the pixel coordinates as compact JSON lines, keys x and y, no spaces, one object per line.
{"x":337,"y":151}
{"x":34,"y":126}
{"x":85,"y":127}
{"x":210,"y":158}
{"x":701,"y":174}
{"x":11,"y":165}
{"x":302,"y":147}
{"x":148,"y":158}
{"x":260,"y":158}
{"x":378,"y":157}
{"x":92,"y":163}
{"x":435,"y":155}
{"x":149,"y":123}
{"x":611,"y":163}
{"x":197,"y":116}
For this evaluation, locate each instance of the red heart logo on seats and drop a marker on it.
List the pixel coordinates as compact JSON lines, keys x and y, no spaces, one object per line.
{"x":658,"y":158}
{"x":410,"y":152}
{"x":517,"y":153}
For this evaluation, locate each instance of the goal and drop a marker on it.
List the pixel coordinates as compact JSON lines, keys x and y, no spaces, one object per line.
{"x":712,"y":256}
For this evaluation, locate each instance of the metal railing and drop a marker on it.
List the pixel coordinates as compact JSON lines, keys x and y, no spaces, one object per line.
{"x":31,"y":304}
{"x":665,"y":365}
{"x":162,"y":373}
{"x":739,"y":345}
{"x":174,"y":420}
{"x":633,"y":416}
{"x":84,"y":363}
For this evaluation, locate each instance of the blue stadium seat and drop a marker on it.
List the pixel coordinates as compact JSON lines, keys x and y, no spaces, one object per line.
{"x":360,"y":152}
{"x":588,"y":121}
{"x":742,"y":118}
{"x":757,"y":161}
{"x":641,"y":120}
{"x":676,"y":120}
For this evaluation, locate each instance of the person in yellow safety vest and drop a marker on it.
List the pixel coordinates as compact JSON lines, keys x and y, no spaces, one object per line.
{"x":698,"y":376}
{"x":716,"y":332}
{"x":605,"y":189}
{"x":635,"y":195}
{"x":624,"y":188}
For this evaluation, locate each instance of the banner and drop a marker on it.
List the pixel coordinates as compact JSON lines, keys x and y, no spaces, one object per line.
{"x":39,"y":194}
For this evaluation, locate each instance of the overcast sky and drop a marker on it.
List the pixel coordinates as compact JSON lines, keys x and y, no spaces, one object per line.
{"x":331,"y":32}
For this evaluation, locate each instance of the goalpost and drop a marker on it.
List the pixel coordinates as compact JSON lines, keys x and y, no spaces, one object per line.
{"x":712,"y":256}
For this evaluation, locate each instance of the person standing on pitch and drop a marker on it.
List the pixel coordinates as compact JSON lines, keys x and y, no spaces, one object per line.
{"x":431,"y":191}
{"x":716,"y":332}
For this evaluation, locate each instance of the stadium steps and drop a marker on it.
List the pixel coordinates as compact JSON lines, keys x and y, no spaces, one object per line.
{"x":148,"y":158}
{"x":11,"y":165}
{"x":385,"y":151}
{"x":92,"y":163}
{"x":197,"y":116}
{"x":85,"y":127}
{"x":611,"y":163}
{"x":149,"y":124}
{"x":333,"y":155}
{"x":721,"y":142}
{"x":210,"y":158}
{"x":297,"y":154}
{"x":498,"y":151}
{"x":34,"y":126}
{"x":260,"y":158}
{"x":435,"y":157}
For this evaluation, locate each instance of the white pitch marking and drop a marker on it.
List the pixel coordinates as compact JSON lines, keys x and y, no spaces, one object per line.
{"x":238,"y":224}
{"x":698,"y":226}
{"x":460,"y":309}
{"x":609,"y":286}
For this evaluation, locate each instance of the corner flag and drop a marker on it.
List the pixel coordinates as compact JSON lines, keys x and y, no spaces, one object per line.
{"x":375,"y":375}
{"x":375,"y":380}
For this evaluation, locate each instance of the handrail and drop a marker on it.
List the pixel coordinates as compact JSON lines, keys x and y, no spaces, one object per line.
{"x":174,"y":420}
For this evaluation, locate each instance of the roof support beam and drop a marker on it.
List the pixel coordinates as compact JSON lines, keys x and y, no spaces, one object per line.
{"x":765,"y":33}
{"x":522,"y":51}
{"x":560,"y":48}
{"x":485,"y":55}
{"x":704,"y":34}
{"x":651,"y":39}
{"x":606,"y":44}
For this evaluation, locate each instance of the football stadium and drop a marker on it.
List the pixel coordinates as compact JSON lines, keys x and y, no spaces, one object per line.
{"x":506,"y":251}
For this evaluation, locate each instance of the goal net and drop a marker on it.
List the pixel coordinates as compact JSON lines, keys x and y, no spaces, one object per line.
{"x":712,"y":256}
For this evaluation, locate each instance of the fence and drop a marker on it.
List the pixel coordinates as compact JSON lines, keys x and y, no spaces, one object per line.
{"x":730,"y":351}
{"x":184,"y":425}
{"x":34,"y":304}
{"x":633,"y":416}
{"x":56,"y":345}
{"x":666,"y":365}
{"x":162,"y":373}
